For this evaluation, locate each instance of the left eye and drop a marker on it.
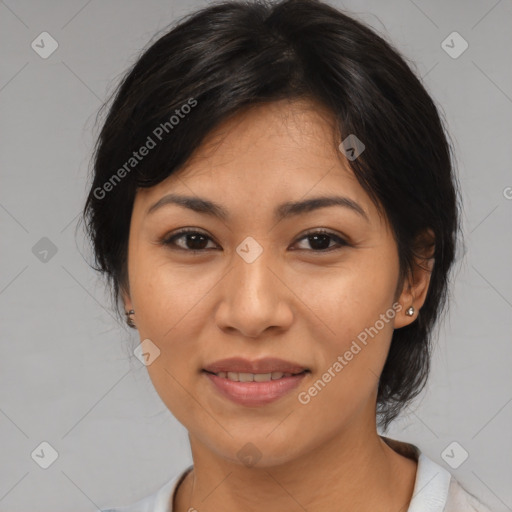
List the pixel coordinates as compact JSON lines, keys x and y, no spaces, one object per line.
{"x":194,"y":241}
{"x":319,"y":240}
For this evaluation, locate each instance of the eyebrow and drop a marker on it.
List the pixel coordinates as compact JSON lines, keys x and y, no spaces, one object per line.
{"x":284,"y":210}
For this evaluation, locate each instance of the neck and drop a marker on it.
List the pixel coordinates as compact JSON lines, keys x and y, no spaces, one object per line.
{"x":347,"y":473}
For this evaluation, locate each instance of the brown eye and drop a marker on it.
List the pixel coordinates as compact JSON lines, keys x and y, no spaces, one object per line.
{"x":195,"y":241}
{"x":190,"y":240}
{"x":320,"y":241}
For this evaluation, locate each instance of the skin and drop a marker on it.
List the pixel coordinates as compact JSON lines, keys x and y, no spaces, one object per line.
{"x":302,"y":305}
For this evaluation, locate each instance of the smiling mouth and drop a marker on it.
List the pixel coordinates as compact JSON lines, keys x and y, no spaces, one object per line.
{"x":254,"y":377}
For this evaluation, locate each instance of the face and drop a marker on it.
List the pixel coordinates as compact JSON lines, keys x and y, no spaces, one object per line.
{"x":315,"y":287}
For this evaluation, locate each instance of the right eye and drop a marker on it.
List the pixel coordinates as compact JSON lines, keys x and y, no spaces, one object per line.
{"x":191,"y":241}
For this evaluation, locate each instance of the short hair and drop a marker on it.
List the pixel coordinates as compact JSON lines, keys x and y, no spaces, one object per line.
{"x":236,"y":54}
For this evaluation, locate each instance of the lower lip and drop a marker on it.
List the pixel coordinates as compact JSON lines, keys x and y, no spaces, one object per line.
{"x":255,"y":393}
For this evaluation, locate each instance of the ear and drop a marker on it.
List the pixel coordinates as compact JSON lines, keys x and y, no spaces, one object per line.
{"x":415,"y":285}
{"x":127,"y":301}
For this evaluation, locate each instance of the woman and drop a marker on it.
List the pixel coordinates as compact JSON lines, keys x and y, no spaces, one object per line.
{"x":274,"y":204}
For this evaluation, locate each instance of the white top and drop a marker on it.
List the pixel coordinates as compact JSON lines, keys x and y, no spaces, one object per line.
{"x":435,"y":489}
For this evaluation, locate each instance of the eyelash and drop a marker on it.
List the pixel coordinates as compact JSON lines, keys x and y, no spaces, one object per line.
{"x":169,"y":241}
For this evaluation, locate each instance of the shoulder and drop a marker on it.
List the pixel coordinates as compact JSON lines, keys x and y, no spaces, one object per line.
{"x":460,"y":499}
{"x":435,"y":489}
{"x":159,"y":501}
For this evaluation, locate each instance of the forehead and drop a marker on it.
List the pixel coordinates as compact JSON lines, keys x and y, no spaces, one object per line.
{"x":293,"y":132}
{"x":276,"y":152}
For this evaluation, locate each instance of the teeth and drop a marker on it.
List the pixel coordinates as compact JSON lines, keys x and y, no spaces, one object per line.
{"x":250,"y":377}
{"x":261,"y":377}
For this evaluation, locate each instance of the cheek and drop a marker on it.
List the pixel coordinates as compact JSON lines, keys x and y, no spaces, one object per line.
{"x":169,"y":296}
{"x":350,"y":360}
{"x":354,"y":295}
{"x":169,"y":301}
{"x":357,"y":321}
{"x":171,"y":312}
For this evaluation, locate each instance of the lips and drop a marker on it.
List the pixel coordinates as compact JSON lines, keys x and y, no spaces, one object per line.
{"x":266,"y":365}
{"x":254,"y":383}
{"x":254,"y":393}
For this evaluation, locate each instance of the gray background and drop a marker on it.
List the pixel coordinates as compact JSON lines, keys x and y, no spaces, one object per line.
{"x":65,"y":373}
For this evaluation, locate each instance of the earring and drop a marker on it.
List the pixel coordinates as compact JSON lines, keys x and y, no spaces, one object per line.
{"x":129,"y":319}
{"x":410,"y":311}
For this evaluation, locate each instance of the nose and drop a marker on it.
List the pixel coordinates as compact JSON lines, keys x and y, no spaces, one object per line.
{"x":254,"y":298}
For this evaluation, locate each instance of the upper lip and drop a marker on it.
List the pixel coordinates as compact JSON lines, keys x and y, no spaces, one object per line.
{"x":265,"y":365}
